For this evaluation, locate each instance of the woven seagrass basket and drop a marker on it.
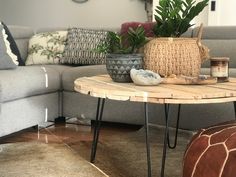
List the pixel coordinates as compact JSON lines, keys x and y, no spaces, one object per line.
{"x":179,"y":56}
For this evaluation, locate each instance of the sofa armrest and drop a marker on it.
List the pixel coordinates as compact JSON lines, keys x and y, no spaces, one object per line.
{"x":0,"y":96}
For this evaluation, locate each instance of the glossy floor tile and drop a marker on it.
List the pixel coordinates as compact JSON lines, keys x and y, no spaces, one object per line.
{"x":121,"y":150}
{"x":67,"y":133}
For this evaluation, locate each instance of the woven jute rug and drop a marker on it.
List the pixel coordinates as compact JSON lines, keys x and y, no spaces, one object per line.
{"x":120,"y":155}
{"x":125,"y":155}
{"x":33,"y":159}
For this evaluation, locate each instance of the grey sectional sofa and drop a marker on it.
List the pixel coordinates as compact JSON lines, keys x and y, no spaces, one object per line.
{"x":31,"y":95}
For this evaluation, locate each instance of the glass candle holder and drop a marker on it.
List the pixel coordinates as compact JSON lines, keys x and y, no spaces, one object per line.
{"x":220,"y":68}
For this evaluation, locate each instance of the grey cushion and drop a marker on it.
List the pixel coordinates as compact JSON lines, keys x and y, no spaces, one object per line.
{"x":21,"y":35}
{"x":70,"y":75}
{"x":6,"y":55}
{"x":28,"y":81}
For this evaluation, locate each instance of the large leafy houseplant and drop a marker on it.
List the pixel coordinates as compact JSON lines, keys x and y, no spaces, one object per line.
{"x":174,"y":17}
{"x":123,"y":53}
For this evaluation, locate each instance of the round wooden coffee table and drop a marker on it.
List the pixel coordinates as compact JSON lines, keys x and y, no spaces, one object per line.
{"x":103,"y":88}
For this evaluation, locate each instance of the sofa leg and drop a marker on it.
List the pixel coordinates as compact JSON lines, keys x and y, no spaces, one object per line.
{"x":36,"y":127}
{"x":60,"y":119}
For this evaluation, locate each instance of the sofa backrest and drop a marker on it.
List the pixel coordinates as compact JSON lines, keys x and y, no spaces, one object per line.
{"x":22,"y":35}
{"x":188,"y":33}
{"x":221,"y":40}
{"x":41,"y":30}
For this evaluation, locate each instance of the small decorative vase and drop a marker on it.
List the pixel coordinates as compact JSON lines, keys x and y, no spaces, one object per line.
{"x":119,"y":66}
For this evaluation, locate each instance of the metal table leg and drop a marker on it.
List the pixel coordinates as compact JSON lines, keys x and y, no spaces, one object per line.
{"x":167,"y":136}
{"x":99,"y":113}
{"x":149,"y":165}
{"x":167,"y":110}
{"x":100,"y":106}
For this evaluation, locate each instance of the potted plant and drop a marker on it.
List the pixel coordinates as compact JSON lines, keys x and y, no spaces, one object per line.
{"x":174,"y":17}
{"x":169,"y":54}
{"x":123,"y":53}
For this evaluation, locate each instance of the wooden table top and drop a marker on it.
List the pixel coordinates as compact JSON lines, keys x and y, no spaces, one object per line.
{"x":102,"y":86}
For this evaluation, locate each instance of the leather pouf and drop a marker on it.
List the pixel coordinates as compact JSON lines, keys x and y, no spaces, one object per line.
{"x":212,"y":152}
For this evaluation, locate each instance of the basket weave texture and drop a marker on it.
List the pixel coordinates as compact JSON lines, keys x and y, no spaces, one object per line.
{"x":179,"y":56}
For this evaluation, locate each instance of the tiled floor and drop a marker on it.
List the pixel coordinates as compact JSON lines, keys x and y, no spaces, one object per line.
{"x":69,"y":134}
{"x":119,"y":147}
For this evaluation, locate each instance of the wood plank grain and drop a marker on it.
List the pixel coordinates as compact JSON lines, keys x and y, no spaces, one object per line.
{"x":203,"y":91}
{"x":102,"y":86}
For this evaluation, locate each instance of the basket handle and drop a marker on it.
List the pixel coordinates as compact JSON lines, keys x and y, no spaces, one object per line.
{"x":204,"y":51}
{"x":199,"y":34}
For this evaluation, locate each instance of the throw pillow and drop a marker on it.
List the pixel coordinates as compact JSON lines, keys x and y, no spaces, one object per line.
{"x":148,"y":27}
{"x":8,"y":60}
{"x":46,"y":48}
{"x":13,"y":45}
{"x":81,"y":45}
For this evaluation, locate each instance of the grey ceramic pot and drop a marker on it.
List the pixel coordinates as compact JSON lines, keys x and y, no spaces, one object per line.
{"x":119,"y":66}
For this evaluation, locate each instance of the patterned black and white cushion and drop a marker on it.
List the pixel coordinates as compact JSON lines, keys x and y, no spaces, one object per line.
{"x":13,"y":45}
{"x":81,"y":45}
{"x":8,"y":60}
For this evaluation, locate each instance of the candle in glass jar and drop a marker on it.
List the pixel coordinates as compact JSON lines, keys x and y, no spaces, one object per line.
{"x":220,"y":68}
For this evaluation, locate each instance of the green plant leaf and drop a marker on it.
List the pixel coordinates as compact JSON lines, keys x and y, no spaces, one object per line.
{"x":123,"y":43}
{"x":173,"y":17}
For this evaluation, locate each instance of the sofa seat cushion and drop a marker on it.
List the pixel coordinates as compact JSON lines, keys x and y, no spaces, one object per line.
{"x":59,"y":68}
{"x":28,"y":81}
{"x":70,"y":75}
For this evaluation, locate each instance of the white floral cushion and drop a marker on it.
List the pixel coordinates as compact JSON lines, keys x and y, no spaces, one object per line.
{"x":46,"y":48}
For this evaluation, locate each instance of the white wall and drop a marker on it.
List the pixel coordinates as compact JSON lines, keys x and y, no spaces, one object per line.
{"x":202,"y":17}
{"x":225,"y":13}
{"x":64,"y":13}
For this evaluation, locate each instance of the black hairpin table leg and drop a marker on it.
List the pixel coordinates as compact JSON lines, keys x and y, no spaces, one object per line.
{"x":167,"y":136}
{"x":167,"y":110}
{"x":165,"y":144}
{"x":149,"y":165}
{"x":100,"y":106}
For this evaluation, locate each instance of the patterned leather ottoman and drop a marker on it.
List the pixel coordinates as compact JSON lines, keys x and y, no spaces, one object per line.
{"x":212,"y":152}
